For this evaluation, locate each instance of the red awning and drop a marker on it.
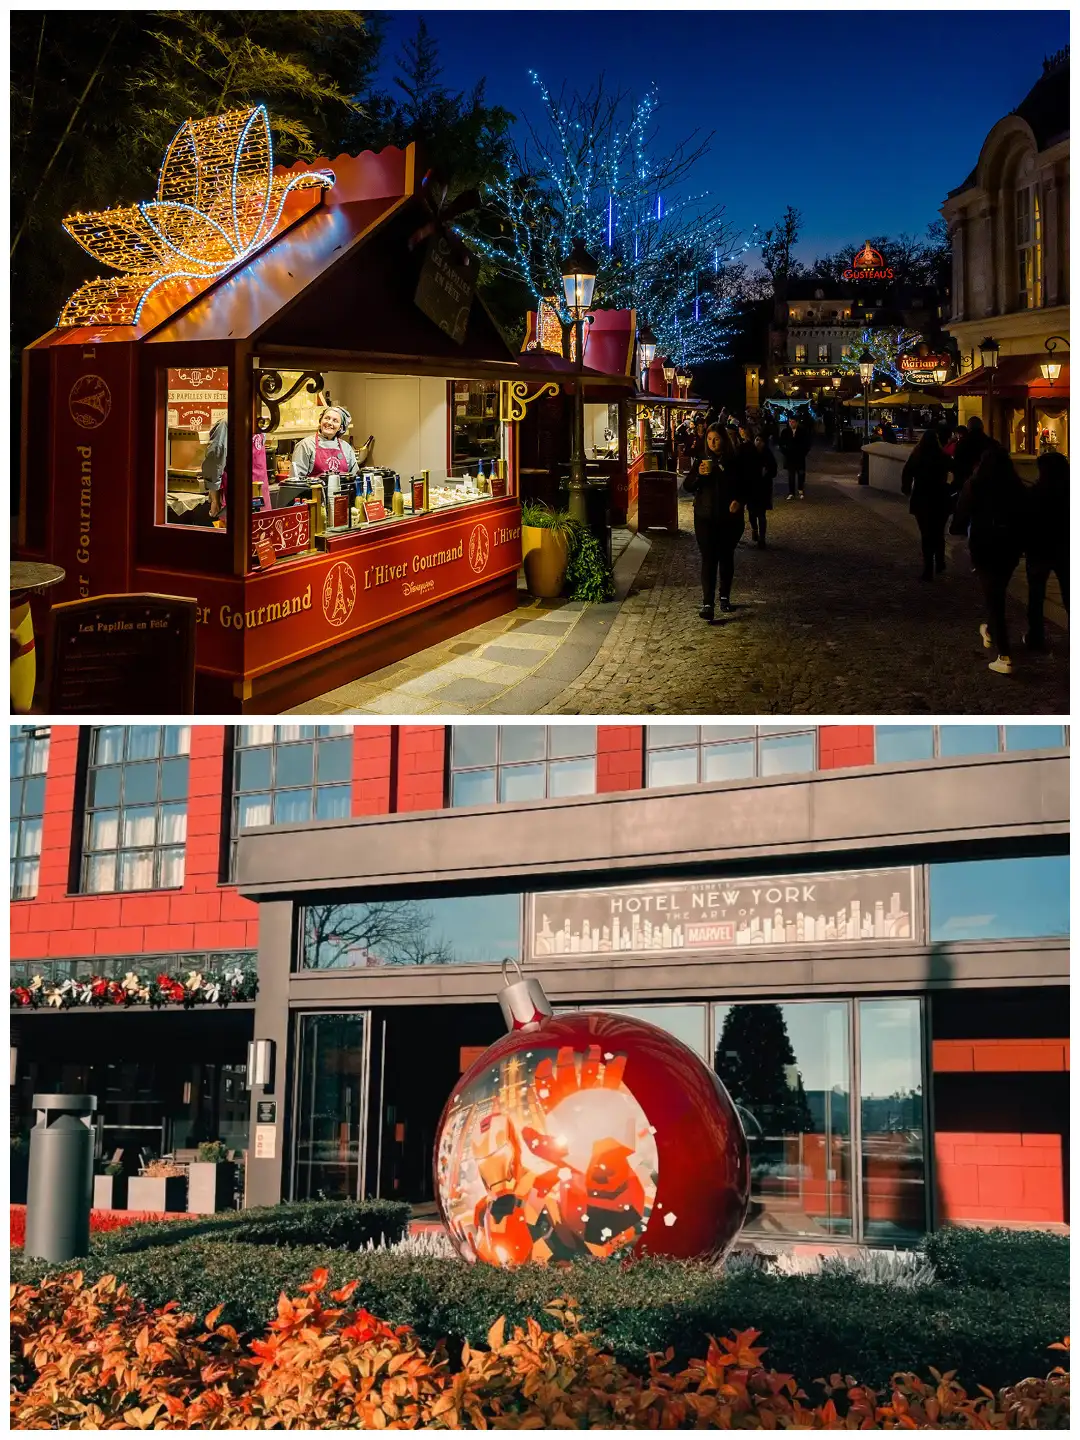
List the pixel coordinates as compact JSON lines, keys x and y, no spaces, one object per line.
{"x":1016,"y":375}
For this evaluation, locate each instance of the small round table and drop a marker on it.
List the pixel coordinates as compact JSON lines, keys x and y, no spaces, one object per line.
{"x":27,"y":577}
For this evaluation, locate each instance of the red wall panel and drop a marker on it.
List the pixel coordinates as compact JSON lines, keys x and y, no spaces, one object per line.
{"x":619,"y":757}
{"x":995,"y":1176}
{"x":840,"y":746}
{"x":421,"y":767}
{"x":372,"y":769}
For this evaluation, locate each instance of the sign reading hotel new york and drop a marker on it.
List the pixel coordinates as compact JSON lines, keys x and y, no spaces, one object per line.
{"x":836,"y":908}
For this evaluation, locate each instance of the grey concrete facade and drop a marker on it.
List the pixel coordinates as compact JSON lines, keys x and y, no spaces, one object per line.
{"x":853,"y":819}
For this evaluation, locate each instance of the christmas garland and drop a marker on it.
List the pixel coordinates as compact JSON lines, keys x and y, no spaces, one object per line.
{"x":198,"y":989}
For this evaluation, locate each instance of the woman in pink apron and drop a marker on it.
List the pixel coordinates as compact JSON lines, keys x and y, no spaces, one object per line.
{"x":214,"y":477}
{"x":326,"y":458}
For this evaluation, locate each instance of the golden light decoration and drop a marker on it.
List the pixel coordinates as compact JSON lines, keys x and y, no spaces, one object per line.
{"x":549,"y":330}
{"x":218,"y":200}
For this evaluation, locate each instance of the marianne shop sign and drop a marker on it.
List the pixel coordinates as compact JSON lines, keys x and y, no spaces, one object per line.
{"x":835,"y":908}
{"x":868,"y":264}
{"x":921,"y":366}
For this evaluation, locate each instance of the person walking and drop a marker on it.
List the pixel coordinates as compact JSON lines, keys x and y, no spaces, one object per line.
{"x":719,"y":499}
{"x":969,"y":451}
{"x":1046,"y":546}
{"x":925,"y":478}
{"x":794,"y":447}
{"x":991,"y":511}
{"x":759,"y":499}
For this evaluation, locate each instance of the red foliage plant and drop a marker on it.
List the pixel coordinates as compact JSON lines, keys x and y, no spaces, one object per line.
{"x":94,"y":1357}
{"x":99,"y":1220}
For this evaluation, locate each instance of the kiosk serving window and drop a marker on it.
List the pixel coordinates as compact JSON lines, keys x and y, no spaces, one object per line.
{"x":196,"y":441}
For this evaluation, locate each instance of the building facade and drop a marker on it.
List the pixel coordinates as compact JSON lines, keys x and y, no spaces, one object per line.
{"x":1009,"y":230}
{"x":863,"y":929}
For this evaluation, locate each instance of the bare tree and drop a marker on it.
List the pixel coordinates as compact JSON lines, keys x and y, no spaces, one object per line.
{"x":374,"y":932}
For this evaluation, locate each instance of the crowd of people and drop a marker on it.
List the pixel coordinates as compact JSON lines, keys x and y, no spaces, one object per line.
{"x":958,"y":479}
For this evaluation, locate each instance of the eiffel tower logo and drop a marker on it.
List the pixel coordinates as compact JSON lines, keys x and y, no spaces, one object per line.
{"x":339,"y":593}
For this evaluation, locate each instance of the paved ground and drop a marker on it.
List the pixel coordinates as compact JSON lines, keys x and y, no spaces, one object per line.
{"x":831,"y":619}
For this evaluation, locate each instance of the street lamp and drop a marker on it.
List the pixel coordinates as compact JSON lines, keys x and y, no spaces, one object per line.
{"x":988,"y":354}
{"x":866,"y":374}
{"x":669,"y":373}
{"x":669,"y":381}
{"x":1050,"y":367}
{"x":941,"y":374}
{"x":646,"y":351}
{"x":579,"y":278}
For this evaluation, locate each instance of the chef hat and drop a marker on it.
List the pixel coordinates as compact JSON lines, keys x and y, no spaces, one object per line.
{"x":346,"y":418}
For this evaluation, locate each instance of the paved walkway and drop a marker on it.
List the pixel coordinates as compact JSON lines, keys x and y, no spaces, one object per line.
{"x":831,"y":619}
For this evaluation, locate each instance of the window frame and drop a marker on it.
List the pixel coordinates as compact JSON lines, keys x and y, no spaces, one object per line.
{"x":89,"y":809}
{"x":20,"y":860}
{"x":755,"y":738}
{"x":1027,"y":231}
{"x":1002,"y":747}
{"x":498,"y":766}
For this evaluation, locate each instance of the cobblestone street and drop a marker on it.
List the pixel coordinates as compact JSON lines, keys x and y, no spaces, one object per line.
{"x":830,"y":619}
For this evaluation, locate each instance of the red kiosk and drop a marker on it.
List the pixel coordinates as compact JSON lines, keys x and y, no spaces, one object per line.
{"x":260,"y":297}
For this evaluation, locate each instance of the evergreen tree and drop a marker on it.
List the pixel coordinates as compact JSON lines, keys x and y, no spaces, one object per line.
{"x":756,"y":1061}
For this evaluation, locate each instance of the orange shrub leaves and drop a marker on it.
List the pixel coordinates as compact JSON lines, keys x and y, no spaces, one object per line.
{"x":93,"y":1357}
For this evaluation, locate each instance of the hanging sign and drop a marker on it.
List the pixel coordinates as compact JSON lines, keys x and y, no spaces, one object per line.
{"x":868,"y":264}
{"x":445,"y":290}
{"x":921,"y":367}
{"x":845,"y":907}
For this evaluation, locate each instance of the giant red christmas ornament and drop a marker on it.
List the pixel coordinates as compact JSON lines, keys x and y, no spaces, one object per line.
{"x":588,"y":1134}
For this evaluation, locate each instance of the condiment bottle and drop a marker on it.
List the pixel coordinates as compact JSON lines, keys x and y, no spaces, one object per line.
{"x":398,"y":504}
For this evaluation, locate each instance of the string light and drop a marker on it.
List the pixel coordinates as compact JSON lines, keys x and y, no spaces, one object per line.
{"x":662,"y":254}
{"x":886,"y":347}
{"x":218,"y":200}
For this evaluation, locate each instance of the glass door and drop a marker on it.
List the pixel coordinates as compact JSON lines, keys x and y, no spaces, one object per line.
{"x":331,"y":1105}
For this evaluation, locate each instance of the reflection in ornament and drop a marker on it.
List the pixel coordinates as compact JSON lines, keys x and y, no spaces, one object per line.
{"x":217,"y":201}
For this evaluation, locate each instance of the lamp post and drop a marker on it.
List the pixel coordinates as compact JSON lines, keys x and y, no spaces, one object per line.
{"x":988,"y":354}
{"x":669,"y":381}
{"x":1051,"y":368}
{"x":579,"y":278}
{"x":646,"y":352}
{"x":866,"y":374}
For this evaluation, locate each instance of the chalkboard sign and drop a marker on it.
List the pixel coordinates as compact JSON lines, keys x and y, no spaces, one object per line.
{"x":445,"y":290}
{"x":123,"y":655}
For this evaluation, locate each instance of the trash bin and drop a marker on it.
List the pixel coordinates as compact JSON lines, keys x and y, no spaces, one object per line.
{"x":61,"y":1177}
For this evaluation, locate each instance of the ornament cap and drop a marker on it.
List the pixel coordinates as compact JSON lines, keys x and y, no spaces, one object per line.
{"x":522,"y":1001}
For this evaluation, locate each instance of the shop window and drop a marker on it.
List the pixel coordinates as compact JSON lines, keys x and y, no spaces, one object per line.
{"x":29,"y":760}
{"x":457,"y":930}
{"x":290,"y":775}
{"x":135,"y":810}
{"x":788,"y":1069}
{"x":332,"y":1069}
{"x":892,"y":1119}
{"x":1034,"y":737}
{"x":800,"y":354}
{"x":968,"y":740}
{"x":500,"y":764}
{"x":476,"y":431}
{"x":1029,"y":258}
{"x":824,"y":355}
{"x":1000,"y":899}
{"x":689,"y":754}
{"x":196,"y":483}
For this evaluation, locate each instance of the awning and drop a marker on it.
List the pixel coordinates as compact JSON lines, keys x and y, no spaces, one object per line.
{"x":1016,"y":376}
{"x":915,"y":398}
{"x":671,"y":402}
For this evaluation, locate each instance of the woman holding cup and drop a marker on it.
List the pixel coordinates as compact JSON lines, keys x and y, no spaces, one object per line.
{"x":716,"y":483}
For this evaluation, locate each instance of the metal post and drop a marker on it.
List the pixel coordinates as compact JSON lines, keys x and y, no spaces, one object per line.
{"x":61,"y":1183}
{"x":866,"y":413}
{"x":578,"y":497}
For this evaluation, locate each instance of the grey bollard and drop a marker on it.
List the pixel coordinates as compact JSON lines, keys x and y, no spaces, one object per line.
{"x":61,"y":1180}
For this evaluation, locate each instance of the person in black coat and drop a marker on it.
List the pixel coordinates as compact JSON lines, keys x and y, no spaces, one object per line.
{"x":794,"y":447}
{"x":969,"y":451}
{"x":926,"y":479}
{"x":761,"y":472}
{"x":1047,"y":541}
{"x":716,"y":483}
{"x":991,"y":510}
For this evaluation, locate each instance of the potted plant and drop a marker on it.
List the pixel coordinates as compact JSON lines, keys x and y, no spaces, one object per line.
{"x":110,"y":1187}
{"x":161,"y":1188}
{"x":545,"y":549}
{"x":211,"y":1179}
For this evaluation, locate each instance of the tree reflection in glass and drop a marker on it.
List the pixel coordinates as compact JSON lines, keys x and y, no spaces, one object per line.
{"x":445,"y":931}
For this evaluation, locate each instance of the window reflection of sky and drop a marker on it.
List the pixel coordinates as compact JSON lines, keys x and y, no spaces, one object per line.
{"x":1000,"y":899}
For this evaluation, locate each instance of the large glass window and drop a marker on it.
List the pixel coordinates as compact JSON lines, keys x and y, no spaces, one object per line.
{"x":196,"y":442}
{"x":492,"y":764}
{"x":289,"y":775}
{"x":457,"y":930}
{"x":688,"y":754}
{"x":788,"y":1069}
{"x":1000,"y":899}
{"x":29,"y":760}
{"x":1028,"y":248}
{"x":895,"y":743}
{"x":135,"y":812}
{"x":331,"y":1094}
{"x":893,"y":1126}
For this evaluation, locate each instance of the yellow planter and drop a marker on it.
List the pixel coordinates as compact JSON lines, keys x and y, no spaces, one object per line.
{"x":545,"y":554}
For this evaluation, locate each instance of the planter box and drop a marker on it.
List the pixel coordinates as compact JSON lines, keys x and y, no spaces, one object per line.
{"x":163,"y":1195}
{"x":110,"y":1192}
{"x":210,"y":1186}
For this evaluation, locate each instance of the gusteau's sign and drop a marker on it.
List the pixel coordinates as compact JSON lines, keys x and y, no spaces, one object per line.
{"x":868,"y":264}
{"x":837,"y":908}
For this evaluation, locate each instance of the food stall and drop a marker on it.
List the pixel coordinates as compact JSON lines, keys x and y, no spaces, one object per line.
{"x":310,"y":425}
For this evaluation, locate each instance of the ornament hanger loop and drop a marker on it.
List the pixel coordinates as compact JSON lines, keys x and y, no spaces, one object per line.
{"x":516,"y":965}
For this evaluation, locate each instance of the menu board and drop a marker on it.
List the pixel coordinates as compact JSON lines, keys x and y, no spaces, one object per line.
{"x":117,"y":654}
{"x":445,"y":289}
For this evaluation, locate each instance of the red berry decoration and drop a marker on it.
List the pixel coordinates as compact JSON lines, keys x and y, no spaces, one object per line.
{"x":588,"y":1134}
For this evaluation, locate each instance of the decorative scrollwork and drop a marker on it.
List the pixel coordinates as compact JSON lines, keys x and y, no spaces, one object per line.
{"x":515,"y":399}
{"x":268,"y":386}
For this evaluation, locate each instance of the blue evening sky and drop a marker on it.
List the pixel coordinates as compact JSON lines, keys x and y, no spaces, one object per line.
{"x":862,"y":120}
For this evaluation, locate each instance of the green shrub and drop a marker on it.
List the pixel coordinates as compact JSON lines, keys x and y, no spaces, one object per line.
{"x":330,"y":1224}
{"x":212,"y":1152}
{"x":816,"y":1325}
{"x":1000,"y":1259}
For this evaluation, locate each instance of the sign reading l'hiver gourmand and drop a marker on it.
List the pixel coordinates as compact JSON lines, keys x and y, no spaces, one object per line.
{"x":840,"y":907}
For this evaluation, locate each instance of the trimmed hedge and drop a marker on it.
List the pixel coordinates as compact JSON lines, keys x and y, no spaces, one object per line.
{"x":330,"y":1224}
{"x":814,"y":1325}
{"x":1000,"y":1259}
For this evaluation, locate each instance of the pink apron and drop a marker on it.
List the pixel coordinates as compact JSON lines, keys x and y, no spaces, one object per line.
{"x":258,"y":468}
{"x":328,"y":461}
